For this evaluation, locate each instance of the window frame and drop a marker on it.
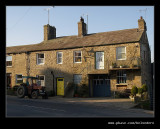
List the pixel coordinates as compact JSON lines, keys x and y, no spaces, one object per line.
{"x":79,"y":80}
{"x":96,"y":67}
{"x":19,"y":79}
{"x":8,"y":61}
{"x":40,"y":58}
{"x":40,"y":80}
{"x":121,"y":77}
{"x":61,"y":58}
{"x":120,"y":53}
{"x":77,"y":56}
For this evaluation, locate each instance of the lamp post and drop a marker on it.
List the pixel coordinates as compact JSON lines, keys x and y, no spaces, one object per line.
{"x":53,"y":82}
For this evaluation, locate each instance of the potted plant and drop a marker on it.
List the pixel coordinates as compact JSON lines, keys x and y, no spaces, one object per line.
{"x":140,"y":91}
{"x":114,"y":65}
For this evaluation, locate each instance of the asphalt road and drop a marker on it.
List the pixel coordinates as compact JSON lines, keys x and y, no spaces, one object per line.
{"x":16,"y":107}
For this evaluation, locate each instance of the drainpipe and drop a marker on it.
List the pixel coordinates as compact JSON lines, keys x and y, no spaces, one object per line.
{"x":53,"y":82}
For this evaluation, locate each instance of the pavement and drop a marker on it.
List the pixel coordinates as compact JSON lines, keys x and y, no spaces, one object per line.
{"x":106,"y":102}
{"x":59,"y":106}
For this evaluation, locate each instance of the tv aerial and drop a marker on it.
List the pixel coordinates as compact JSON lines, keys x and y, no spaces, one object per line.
{"x":48,"y":9}
{"x":143,"y":10}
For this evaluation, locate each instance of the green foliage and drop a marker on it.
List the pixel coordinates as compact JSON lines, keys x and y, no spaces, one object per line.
{"x":144,"y":87}
{"x":140,"y":91}
{"x":83,"y":90}
{"x":134,"y":90}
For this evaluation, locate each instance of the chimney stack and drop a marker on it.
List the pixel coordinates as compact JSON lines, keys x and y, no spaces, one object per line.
{"x":49,"y":32}
{"x":81,"y":28}
{"x":142,"y":24}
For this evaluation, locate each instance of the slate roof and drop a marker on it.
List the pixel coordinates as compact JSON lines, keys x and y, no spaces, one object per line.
{"x":96,"y":39}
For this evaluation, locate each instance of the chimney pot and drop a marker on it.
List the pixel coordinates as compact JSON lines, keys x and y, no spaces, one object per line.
{"x":81,"y":28}
{"x":142,"y":24}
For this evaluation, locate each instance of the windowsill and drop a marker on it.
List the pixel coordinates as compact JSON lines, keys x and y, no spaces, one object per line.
{"x":99,"y":69}
{"x":40,"y":64}
{"x":121,"y":59}
{"x":121,"y":84}
{"x":77,"y":62}
{"x":9,"y":66}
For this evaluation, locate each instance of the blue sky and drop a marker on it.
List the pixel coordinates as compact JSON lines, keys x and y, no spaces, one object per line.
{"x":24,"y":24}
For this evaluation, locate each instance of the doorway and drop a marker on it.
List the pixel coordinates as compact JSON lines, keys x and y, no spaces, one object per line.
{"x":100,"y":85}
{"x":9,"y":80}
{"x":60,"y":86}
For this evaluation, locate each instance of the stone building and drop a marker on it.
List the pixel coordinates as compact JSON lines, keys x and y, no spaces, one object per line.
{"x":106,"y":62}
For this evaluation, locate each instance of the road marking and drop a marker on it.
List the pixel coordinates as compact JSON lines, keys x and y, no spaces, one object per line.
{"x":44,"y":108}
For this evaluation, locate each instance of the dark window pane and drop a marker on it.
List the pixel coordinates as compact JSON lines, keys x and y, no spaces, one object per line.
{"x":60,"y":79}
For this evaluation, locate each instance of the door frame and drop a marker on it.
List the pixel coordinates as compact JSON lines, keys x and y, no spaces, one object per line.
{"x":106,"y":82}
{"x":9,"y":75}
{"x":57,"y":83}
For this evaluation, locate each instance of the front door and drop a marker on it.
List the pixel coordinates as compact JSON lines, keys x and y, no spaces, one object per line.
{"x":99,"y":60}
{"x":60,"y":86}
{"x":9,"y":80}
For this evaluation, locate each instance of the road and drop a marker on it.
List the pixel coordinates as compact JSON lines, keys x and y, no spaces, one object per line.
{"x":26,"y":107}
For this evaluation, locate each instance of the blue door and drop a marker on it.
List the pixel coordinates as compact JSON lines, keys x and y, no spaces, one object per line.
{"x":101,"y":87}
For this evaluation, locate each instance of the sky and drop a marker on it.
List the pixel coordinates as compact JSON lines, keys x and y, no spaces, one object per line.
{"x":24,"y":24}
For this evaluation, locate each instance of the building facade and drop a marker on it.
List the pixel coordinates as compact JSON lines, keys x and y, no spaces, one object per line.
{"x":106,"y":62}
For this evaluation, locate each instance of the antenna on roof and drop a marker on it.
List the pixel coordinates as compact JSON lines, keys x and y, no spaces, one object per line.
{"x":144,"y":11}
{"x":47,"y":9}
{"x":87,"y":21}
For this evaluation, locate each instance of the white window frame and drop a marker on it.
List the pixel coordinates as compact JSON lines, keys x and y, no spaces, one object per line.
{"x":41,"y":81}
{"x":8,"y":60}
{"x":77,"y":56}
{"x":61,"y":58}
{"x":101,"y":67}
{"x":75,"y":80}
{"x":120,"y":53}
{"x":40,"y":58}
{"x":18,"y":78}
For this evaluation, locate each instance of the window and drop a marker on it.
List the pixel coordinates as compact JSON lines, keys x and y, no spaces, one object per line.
{"x":99,"y":60}
{"x":77,"y":78}
{"x":121,"y":76}
{"x":77,"y":56}
{"x":41,"y":80}
{"x":19,"y":78}
{"x":9,"y":61}
{"x":59,"y":57}
{"x":121,"y":53}
{"x":40,"y":59}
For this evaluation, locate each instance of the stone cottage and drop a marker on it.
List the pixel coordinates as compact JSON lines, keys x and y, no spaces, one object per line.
{"x":106,"y":62}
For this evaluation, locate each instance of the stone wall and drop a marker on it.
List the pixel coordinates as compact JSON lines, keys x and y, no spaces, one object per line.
{"x":69,"y":68}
